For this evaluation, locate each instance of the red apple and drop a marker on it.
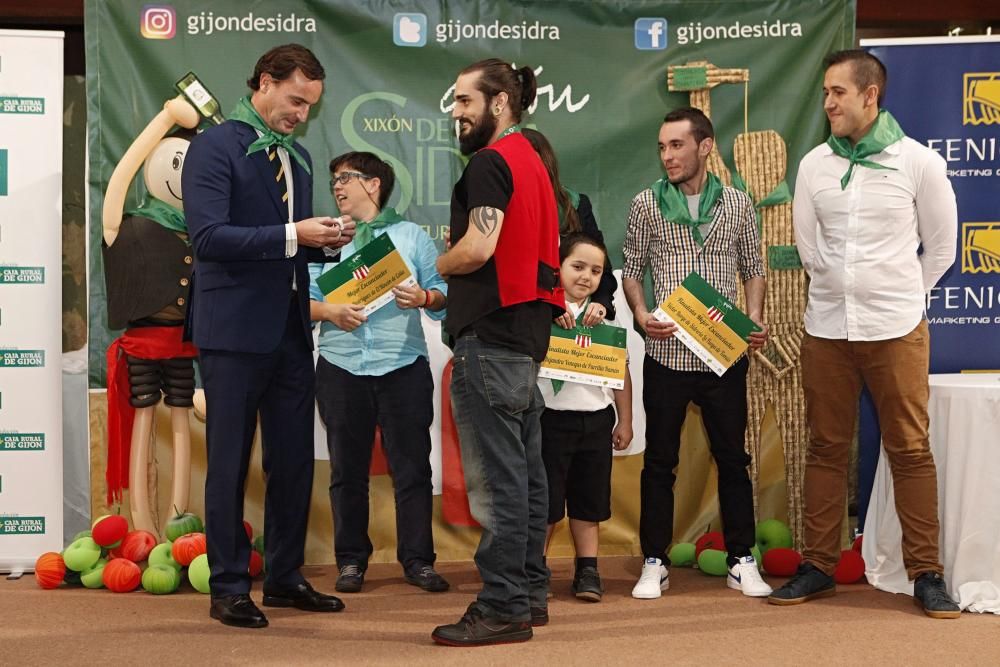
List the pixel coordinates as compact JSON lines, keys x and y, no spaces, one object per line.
{"x":850,"y":569}
{"x":109,"y":529}
{"x":712,"y":540}
{"x":857,"y":543}
{"x":50,"y":570}
{"x":781,"y":561}
{"x":121,"y":575}
{"x":256,"y":564}
{"x":136,"y":545}
{"x":247,"y":527}
{"x":188,"y":547}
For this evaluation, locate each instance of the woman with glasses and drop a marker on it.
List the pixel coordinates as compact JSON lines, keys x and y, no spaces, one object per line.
{"x":373,"y":371}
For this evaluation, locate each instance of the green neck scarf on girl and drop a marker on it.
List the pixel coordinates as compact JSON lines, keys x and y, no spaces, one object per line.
{"x":245,"y":113}
{"x":883,"y":132}
{"x":366,"y":230}
{"x":162,"y":213}
{"x":674,"y":207}
{"x":557,"y":385}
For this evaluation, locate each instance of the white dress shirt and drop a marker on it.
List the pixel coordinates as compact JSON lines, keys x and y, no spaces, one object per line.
{"x":859,"y":245}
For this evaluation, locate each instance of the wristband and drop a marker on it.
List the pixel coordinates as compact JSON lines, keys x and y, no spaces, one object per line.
{"x":427,"y":298}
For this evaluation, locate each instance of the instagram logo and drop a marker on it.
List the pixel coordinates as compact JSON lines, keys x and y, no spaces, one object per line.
{"x":158,"y":22}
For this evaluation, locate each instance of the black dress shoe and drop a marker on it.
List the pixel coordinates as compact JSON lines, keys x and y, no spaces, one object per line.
{"x":238,"y":611}
{"x":301,"y":596}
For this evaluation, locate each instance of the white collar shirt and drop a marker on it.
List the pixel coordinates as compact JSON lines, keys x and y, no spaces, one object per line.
{"x":860,"y":244}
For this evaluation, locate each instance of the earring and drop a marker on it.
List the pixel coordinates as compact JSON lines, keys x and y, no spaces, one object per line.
{"x":497,"y":111}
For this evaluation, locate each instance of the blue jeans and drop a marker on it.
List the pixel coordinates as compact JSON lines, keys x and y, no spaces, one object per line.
{"x":497,"y":409}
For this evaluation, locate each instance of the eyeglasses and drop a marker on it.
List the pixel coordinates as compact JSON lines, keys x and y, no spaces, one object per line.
{"x":345,"y":177}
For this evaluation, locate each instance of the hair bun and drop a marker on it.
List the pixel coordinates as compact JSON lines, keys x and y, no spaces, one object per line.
{"x":529,"y":86}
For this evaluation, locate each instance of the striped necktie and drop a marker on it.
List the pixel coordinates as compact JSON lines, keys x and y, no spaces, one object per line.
{"x":279,"y":176}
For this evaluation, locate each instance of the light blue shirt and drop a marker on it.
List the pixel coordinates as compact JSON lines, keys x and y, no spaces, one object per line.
{"x":392,"y":337}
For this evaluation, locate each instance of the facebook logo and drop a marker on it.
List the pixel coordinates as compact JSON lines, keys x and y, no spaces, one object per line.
{"x":651,"y":34}
{"x":409,"y":29}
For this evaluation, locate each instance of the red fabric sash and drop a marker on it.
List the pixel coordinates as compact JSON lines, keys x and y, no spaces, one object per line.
{"x":146,"y":343}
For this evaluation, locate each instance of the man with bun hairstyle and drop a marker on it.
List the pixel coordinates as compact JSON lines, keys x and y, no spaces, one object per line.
{"x":503,"y":284}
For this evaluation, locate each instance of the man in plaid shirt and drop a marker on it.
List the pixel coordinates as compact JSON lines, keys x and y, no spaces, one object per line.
{"x":688,"y":222}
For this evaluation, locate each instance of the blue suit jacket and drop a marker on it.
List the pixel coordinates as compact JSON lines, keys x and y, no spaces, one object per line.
{"x":242,"y":281}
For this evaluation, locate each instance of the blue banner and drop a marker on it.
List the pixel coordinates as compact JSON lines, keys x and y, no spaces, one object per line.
{"x":945,"y":93}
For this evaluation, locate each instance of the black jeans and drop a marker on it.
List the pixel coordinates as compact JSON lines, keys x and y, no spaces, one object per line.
{"x":401,"y":402}
{"x":723,"y":401}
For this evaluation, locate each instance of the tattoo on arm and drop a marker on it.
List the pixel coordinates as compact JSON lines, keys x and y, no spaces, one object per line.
{"x":485,"y":218}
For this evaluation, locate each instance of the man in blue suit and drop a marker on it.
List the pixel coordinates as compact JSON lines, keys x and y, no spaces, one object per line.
{"x":248,"y":198}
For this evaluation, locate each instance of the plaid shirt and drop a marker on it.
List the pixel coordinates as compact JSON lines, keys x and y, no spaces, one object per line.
{"x":671,"y":253}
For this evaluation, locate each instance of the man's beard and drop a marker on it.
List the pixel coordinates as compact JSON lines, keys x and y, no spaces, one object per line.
{"x":478,"y":136}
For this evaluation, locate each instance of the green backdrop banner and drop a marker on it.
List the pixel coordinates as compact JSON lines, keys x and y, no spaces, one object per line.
{"x":601,"y":67}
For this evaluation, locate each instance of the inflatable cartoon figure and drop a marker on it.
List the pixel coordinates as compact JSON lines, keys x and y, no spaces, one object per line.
{"x":147,"y":268}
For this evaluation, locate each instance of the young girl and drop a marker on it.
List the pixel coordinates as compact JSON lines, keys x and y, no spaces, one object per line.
{"x":579,"y":426}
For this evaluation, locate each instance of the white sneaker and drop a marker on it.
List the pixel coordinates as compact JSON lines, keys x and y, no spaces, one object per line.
{"x":654,"y":579}
{"x":745,"y":577}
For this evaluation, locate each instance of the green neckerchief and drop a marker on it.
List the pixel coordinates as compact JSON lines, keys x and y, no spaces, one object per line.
{"x":510,"y":130}
{"x":674,"y":207}
{"x":557,"y":385}
{"x":779,"y":195}
{"x":244,"y":112}
{"x":574,"y":201}
{"x":366,"y":230}
{"x":162,"y":213}
{"x":883,"y":132}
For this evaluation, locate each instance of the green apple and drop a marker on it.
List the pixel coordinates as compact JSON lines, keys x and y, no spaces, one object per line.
{"x":182,"y":524}
{"x":199,"y":572}
{"x":161,"y":555}
{"x":772,"y":534}
{"x":81,"y":554}
{"x":82,"y":533}
{"x":713,"y":561}
{"x":755,"y":552}
{"x":94,"y":576}
{"x":161,"y":579}
{"x":682,"y":554}
{"x":258,"y":544}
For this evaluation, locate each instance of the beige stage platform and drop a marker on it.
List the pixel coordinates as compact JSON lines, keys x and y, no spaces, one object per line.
{"x":699,"y":621}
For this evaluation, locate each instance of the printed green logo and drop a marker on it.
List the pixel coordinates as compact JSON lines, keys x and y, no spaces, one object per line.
{"x":34,"y":105}
{"x":3,"y":172}
{"x":22,"y":525}
{"x":22,"y":358}
{"x":22,"y":275}
{"x":22,"y":442}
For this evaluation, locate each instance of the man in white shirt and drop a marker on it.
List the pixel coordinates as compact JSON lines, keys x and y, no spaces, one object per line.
{"x":865,"y":203}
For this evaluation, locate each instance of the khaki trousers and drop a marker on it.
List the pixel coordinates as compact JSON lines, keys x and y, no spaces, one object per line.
{"x":895,"y":372}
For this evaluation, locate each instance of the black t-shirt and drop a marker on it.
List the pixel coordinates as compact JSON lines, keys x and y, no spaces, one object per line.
{"x":474,"y":298}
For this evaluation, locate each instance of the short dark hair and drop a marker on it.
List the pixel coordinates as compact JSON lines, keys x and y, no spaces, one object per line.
{"x":867,"y":69}
{"x":497,"y":76}
{"x":701,"y":126}
{"x":282,"y":61}
{"x":368,"y":164}
{"x":572,"y":240}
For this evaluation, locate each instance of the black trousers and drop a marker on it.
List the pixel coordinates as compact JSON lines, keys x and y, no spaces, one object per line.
{"x":665,"y":396}
{"x":279,"y":386}
{"x":401,"y":402}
